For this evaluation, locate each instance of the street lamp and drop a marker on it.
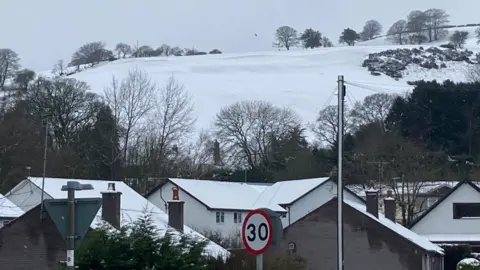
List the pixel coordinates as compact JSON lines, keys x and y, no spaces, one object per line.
{"x":71,"y":187}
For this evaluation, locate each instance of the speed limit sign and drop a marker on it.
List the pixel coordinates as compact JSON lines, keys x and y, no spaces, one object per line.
{"x":257,"y":231}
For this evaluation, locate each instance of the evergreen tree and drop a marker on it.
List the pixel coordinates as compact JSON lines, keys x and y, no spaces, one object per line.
{"x":311,"y":39}
{"x":349,"y":36}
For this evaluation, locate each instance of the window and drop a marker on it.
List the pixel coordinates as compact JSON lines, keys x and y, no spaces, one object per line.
{"x":283,"y":215}
{"x":237,"y":217}
{"x":466,"y":210}
{"x":220,"y":217}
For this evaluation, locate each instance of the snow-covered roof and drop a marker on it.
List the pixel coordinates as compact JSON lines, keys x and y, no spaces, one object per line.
{"x":132,"y":204}
{"x":420,"y":241}
{"x":222,"y":194}
{"x":286,"y":192}
{"x":248,"y":196}
{"x":418,"y":188}
{"x":454,"y":238}
{"x":8,"y":209}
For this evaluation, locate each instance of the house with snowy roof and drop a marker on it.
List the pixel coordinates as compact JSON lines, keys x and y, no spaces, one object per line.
{"x":423,"y":193}
{"x":220,"y":206}
{"x":371,"y":240}
{"x":8,"y":211}
{"x":454,"y":219}
{"x":31,"y":240}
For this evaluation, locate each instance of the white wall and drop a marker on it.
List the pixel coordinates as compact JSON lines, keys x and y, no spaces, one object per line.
{"x":196,"y":215}
{"x":440,"y":219}
{"x":315,"y":199}
{"x":26,"y":195}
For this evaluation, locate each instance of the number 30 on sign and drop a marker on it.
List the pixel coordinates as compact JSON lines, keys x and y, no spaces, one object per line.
{"x":257,"y":231}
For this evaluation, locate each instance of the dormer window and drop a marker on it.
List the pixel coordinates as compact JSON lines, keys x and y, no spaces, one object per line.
{"x":466,"y":210}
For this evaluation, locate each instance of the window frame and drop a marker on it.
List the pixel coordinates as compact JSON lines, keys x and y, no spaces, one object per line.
{"x":220,"y":217}
{"x":237,"y":217}
{"x":456,"y":214}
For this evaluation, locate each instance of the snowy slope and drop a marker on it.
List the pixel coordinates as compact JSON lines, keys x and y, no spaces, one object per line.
{"x":304,"y":80}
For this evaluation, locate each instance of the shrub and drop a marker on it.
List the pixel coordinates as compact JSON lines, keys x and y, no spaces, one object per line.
{"x":468,"y":264}
{"x":454,"y":254}
{"x":139,"y":246}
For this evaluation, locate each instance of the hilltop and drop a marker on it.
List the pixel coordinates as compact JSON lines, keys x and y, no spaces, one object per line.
{"x":304,"y":80}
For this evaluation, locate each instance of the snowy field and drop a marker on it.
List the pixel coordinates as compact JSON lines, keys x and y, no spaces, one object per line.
{"x":304,"y":80}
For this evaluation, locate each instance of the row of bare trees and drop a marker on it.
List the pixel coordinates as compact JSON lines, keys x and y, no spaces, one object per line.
{"x":95,"y":52}
{"x":419,"y":27}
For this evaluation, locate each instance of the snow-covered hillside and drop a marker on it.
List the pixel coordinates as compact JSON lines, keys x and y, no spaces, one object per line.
{"x":302,"y":80}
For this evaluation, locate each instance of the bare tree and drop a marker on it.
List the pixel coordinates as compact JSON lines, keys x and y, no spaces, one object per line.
{"x":164,"y":50}
{"x":173,"y":118}
{"x":396,"y":33}
{"x":144,"y":51}
{"x":326,"y":126}
{"x":417,"y":23}
{"x":371,"y":29}
{"x":9,"y":65}
{"x":65,"y":104}
{"x":195,"y":161}
{"x":176,"y":51}
{"x":246,"y":129}
{"x":131,"y":101}
{"x":123,"y":50}
{"x":326,"y":42}
{"x":436,"y":19}
{"x":373,"y":109}
{"x":23,"y":79}
{"x":410,"y":168}
{"x":459,"y":38}
{"x":59,"y":69}
{"x":91,"y":53}
{"x":286,"y":37}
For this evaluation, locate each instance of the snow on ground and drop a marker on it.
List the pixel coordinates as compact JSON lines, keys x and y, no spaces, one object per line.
{"x":304,"y":80}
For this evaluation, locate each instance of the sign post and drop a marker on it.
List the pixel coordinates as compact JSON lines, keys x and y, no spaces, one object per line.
{"x":257,"y":233}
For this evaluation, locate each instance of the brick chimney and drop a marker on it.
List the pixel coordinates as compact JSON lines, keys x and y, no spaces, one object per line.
{"x":390,"y":207}
{"x":372,"y":200}
{"x":111,"y":206}
{"x":175,"y":211}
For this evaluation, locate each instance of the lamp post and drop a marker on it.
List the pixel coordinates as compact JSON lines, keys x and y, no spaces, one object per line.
{"x":71,"y":187}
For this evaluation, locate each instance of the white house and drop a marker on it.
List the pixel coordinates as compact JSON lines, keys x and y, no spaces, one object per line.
{"x":455,"y":218}
{"x":219,"y":206}
{"x":27,"y":194}
{"x":8,"y":210}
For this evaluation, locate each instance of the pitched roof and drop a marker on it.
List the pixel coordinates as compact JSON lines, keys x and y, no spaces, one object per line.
{"x":416,"y":239}
{"x":287,"y":192}
{"x":8,"y":209}
{"x":222,"y":194}
{"x":426,"y":212}
{"x":248,"y":196}
{"x":132,"y":204}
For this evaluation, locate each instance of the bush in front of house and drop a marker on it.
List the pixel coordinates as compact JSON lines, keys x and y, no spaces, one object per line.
{"x":468,"y":264}
{"x":454,"y":254}
{"x":140,"y":246}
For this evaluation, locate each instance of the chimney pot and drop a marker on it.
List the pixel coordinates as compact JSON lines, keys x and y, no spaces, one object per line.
{"x":111,"y":186}
{"x":372,"y":201}
{"x":175,"y":192}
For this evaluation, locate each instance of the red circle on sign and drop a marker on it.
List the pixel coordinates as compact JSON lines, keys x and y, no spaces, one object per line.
{"x":270,"y":229}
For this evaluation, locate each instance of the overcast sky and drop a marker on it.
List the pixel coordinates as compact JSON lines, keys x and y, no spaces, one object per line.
{"x":42,"y":32}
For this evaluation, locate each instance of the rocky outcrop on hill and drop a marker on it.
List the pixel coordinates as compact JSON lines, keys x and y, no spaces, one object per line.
{"x":393,"y":62}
